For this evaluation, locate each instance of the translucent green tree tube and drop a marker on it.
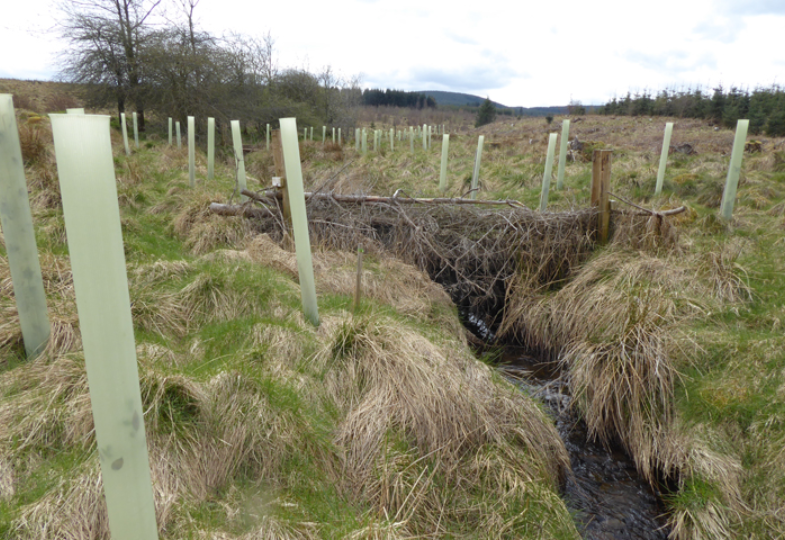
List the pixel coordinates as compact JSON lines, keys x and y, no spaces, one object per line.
{"x":477,"y":160}
{"x":392,"y":139}
{"x":445,"y":152}
{"x":74,"y":111}
{"x":302,"y":241}
{"x":267,"y":137}
{"x":357,"y":139}
{"x":17,"y":223}
{"x":92,"y":221}
{"x":311,"y":133}
{"x":430,"y":137}
{"x":333,"y":135}
{"x":305,"y":134}
{"x":365,"y":141}
{"x":546,"y":177}
{"x":339,"y":135}
{"x":734,"y":170}
{"x":411,"y":139}
{"x":124,"y":127}
{"x":136,"y":132}
{"x":191,"y":152}
{"x":324,"y":134}
{"x":240,"y":158}
{"x":211,"y":148}
{"x":170,"y":131}
{"x":666,"y":145}
{"x":424,"y":137}
{"x":179,"y":135}
{"x":565,"y":138}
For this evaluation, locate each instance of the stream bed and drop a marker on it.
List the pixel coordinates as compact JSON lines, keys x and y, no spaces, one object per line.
{"x":607,"y":495}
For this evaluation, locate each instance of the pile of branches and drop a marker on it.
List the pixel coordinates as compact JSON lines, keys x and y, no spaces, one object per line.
{"x":473,"y":252}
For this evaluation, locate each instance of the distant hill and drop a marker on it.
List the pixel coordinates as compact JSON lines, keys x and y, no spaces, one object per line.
{"x":458,"y":99}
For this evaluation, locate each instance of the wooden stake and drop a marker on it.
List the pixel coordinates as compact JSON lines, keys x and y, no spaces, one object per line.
{"x":600,"y":189}
{"x":358,"y":286}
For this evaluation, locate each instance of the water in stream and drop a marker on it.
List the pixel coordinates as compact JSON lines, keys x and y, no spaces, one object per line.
{"x":610,"y":500}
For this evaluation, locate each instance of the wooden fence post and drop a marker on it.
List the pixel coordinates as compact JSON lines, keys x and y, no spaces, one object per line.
{"x":600,"y":188}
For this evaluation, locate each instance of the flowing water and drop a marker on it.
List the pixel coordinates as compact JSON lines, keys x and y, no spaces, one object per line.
{"x":608,"y":497}
{"x":610,"y":500}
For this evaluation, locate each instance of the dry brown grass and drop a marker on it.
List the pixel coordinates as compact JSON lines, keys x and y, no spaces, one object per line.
{"x":613,"y":327}
{"x":393,"y":384}
{"x":203,"y":231}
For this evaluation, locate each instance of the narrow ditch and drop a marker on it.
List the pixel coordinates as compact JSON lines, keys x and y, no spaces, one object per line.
{"x":609,"y":499}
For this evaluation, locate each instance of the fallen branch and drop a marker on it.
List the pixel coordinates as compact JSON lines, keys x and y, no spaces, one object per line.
{"x":671,"y":212}
{"x":239,"y":210}
{"x":372,"y":199}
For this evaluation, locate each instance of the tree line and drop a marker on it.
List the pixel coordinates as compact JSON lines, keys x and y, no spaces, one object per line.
{"x":376,"y":97}
{"x":763,"y":107}
{"x":146,"y":56}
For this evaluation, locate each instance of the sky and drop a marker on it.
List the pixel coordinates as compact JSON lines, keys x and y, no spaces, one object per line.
{"x":517,"y":53}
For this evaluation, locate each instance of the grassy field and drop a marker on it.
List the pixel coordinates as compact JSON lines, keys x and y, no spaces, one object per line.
{"x":382,"y":424}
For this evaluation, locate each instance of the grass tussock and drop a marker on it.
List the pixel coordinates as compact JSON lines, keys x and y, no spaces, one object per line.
{"x":394,"y":386}
{"x":202,"y":231}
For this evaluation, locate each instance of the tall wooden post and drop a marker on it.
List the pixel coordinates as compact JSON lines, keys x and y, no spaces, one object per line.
{"x":600,"y":188}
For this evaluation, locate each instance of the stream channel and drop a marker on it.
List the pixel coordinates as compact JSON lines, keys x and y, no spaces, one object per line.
{"x":608,"y":498}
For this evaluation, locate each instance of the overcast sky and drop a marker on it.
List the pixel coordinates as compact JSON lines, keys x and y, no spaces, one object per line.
{"x":518,"y":53}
